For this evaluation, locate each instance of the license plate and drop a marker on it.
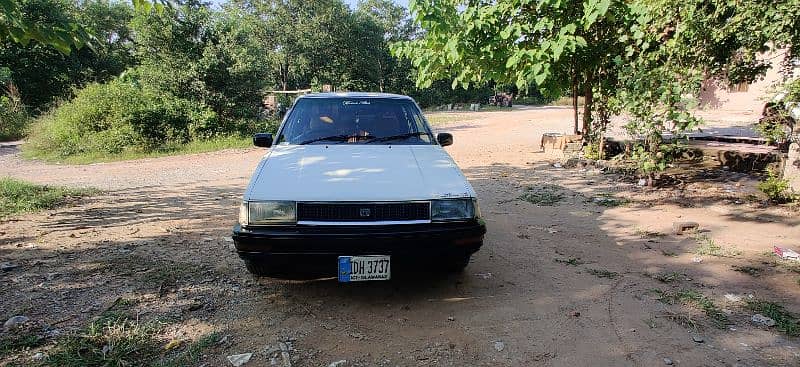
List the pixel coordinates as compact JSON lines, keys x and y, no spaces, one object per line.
{"x":361,"y":268}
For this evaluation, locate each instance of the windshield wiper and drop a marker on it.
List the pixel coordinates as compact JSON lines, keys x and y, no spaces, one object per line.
{"x":331,"y":138}
{"x":396,"y":137}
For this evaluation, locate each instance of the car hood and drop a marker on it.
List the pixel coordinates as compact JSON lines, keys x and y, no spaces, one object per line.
{"x":340,"y":172}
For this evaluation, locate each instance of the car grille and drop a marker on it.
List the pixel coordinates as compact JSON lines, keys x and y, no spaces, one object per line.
{"x":363,"y":212}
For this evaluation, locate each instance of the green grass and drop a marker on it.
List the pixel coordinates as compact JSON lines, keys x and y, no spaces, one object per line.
{"x":116,"y":339}
{"x":696,"y":299}
{"x":18,"y":196}
{"x":602,"y":273}
{"x":785,"y":321}
{"x":200,"y":146}
{"x":707,"y":246}
{"x":12,"y":342}
{"x":545,"y":195}
{"x":435,"y":117}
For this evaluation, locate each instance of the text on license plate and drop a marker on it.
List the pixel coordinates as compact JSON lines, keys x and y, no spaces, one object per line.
{"x":361,"y":268}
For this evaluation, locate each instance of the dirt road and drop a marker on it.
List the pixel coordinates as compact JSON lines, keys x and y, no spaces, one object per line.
{"x":584,"y":281}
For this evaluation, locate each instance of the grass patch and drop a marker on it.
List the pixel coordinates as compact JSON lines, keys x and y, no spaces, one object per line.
{"x":749,"y":270}
{"x":643,"y":233}
{"x":707,"y":246}
{"x":668,"y":253}
{"x":785,"y":321}
{"x":669,"y":277}
{"x":574,"y":261}
{"x":18,"y":196}
{"x":14,"y":342}
{"x":115,"y":339}
{"x":545,"y":195}
{"x":608,"y":200}
{"x":193,"y":147}
{"x":695,"y":299}
{"x":602,"y":273}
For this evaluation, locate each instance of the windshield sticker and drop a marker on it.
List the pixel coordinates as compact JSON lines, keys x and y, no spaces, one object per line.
{"x":346,"y":103}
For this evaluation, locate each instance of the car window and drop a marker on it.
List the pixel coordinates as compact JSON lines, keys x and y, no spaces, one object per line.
{"x":355,"y":121}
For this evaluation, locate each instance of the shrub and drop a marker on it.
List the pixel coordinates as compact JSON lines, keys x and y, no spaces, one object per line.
{"x":14,"y":118}
{"x":776,"y":188}
{"x":118,"y":116}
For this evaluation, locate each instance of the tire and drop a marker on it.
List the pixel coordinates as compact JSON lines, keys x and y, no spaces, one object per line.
{"x":258,"y":268}
{"x":457,"y":263}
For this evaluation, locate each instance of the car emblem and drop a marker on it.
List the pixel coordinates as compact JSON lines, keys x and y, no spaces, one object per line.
{"x":364,"y":212}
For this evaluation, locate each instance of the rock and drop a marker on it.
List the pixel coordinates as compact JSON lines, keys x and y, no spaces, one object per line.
{"x":733,"y":298}
{"x":7,"y":266}
{"x":697,"y":338}
{"x":451,"y":318}
{"x":338,"y":363}
{"x":14,"y":322}
{"x":38,"y":356}
{"x":557,"y":165}
{"x":641,"y":182}
{"x":668,"y":362}
{"x":680,"y":228}
{"x":240,"y":359}
{"x":499,"y":346}
{"x":697,"y":259}
{"x":762,"y":320}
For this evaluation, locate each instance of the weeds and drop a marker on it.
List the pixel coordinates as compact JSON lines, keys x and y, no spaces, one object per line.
{"x":785,"y":321}
{"x":191,"y":354}
{"x":696,"y":299}
{"x":643,"y":233}
{"x":602,"y":273}
{"x":707,"y":246}
{"x":669,"y":277}
{"x":18,"y":341}
{"x":545,"y":195}
{"x":19,"y":196}
{"x":749,"y":270}
{"x":574,"y":261}
{"x":776,"y":188}
{"x":668,"y":253}
{"x":608,"y":200}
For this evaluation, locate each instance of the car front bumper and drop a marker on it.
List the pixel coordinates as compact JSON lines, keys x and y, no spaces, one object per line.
{"x":412,"y":239}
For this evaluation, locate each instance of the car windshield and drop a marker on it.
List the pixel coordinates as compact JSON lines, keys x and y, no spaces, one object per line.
{"x":355,"y":121}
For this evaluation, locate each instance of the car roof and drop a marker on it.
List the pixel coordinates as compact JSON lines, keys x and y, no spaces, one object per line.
{"x":356,"y":95}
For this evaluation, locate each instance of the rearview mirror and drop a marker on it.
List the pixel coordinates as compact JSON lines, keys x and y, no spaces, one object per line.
{"x":444,"y":139}
{"x":262,"y":140}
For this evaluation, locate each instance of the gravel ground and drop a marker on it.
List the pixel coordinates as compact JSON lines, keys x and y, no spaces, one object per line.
{"x":572,"y":283}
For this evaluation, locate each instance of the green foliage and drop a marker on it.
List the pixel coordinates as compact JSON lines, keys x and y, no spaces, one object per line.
{"x":785,"y":321}
{"x":696,"y":299}
{"x":776,"y":188}
{"x":14,"y":118}
{"x":19,"y":197}
{"x":17,"y":27}
{"x":707,"y":246}
{"x":118,"y":116}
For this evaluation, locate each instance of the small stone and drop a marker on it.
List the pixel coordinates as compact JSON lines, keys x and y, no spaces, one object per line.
{"x":762,"y":320}
{"x":7,"y":266}
{"x":575,"y":313}
{"x":680,"y":228}
{"x":239,"y":359}
{"x":667,"y":361}
{"x":338,"y":363}
{"x":733,"y":298}
{"x":38,"y":356}
{"x":451,"y":318}
{"x":632,"y":330}
{"x":697,"y":259}
{"x":14,"y":322}
{"x":641,"y":182}
{"x":697,"y":338}
{"x":499,"y":346}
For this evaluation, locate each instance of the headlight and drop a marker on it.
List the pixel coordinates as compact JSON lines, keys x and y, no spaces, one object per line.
{"x":267,"y":212}
{"x":453,"y":210}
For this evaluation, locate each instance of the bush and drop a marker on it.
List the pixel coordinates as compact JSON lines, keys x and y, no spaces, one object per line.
{"x":121,"y":116}
{"x":776,"y":188}
{"x":14,"y":118}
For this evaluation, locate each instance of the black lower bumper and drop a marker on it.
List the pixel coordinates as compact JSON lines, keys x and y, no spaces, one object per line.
{"x":416,"y":239}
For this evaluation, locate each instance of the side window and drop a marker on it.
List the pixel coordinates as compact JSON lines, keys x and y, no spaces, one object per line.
{"x":419,"y":124}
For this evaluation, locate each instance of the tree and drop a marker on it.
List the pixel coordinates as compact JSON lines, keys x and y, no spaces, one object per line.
{"x":61,"y":34}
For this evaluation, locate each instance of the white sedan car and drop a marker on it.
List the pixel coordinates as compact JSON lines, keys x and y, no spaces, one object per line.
{"x":358,"y":183}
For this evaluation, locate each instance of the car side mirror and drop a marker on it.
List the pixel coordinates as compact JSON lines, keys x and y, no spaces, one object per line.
{"x":262,"y":140}
{"x":444,"y":139}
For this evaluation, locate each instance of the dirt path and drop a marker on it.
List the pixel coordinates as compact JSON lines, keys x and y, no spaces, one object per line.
{"x":568,"y":284}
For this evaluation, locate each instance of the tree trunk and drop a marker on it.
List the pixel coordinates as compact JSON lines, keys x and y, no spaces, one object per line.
{"x":587,"y":108}
{"x":575,"y":101}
